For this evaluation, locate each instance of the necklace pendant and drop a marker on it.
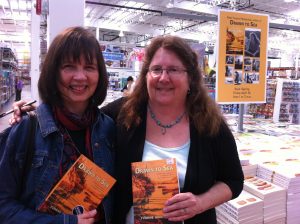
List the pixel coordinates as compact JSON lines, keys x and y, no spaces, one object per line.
{"x":163,"y":130}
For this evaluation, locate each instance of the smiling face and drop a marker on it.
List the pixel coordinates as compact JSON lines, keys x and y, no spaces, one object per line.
{"x":167,"y":89}
{"x":77,"y":83}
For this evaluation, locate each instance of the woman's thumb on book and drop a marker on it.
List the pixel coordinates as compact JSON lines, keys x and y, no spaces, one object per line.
{"x":94,"y":211}
{"x":88,"y":214}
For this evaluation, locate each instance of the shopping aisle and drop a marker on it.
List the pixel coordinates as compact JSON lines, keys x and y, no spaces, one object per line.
{"x":26,"y":95}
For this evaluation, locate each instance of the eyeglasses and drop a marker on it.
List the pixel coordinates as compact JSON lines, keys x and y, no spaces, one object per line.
{"x":158,"y":71}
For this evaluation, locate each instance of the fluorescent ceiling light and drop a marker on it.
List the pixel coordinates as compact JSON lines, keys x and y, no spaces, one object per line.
{"x":121,"y":34}
{"x":170,"y":4}
{"x":295,"y":13}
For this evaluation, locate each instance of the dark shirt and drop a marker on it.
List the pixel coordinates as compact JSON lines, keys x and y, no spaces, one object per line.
{"x":78,"y":137}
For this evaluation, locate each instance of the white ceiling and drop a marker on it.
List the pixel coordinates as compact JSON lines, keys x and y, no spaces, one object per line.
{"x":141,"y":19}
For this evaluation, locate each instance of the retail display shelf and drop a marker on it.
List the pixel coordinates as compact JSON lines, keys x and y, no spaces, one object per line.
{"x":8,"y":70}
{"x":287,"y":101}
{"x":270,"y":158}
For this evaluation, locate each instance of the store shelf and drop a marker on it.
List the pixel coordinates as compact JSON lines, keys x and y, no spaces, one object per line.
{"x":265,"y":110}
{"x":8,"y":69}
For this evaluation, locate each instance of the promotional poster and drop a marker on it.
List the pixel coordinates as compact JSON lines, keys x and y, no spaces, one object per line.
{"x":242,"y":57}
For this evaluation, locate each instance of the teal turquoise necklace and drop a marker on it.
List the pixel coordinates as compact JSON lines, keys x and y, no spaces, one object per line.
{"x":163,"y":127}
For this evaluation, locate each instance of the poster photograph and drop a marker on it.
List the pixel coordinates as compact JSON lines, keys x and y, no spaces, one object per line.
{"x":242,"y":57}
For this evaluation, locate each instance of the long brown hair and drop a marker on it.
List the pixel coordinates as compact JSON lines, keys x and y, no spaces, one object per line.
{"x":202,"y":110}
{"x":71,"y":44}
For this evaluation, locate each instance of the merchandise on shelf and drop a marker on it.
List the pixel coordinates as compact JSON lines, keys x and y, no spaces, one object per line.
{"x":210,"y":83}
{"x":287,"y":101}
{"x":122,"y":56}
{"x":281,"y":72}
{"x":117,"y":79}
{"x":8,"y":70}
{"x":265,"y":110}
{"x":113,"y":81}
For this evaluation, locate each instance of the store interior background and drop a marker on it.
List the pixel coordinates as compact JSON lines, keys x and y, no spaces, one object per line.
{"x":127,"y":26}
{"x":134,"y":23}
{"x":268,"y":150}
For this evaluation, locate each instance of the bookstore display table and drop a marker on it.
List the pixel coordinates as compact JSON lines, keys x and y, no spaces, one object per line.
{"x":270,"y":156}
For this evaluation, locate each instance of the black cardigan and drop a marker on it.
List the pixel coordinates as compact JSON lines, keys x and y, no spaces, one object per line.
{"x":210,"y":159}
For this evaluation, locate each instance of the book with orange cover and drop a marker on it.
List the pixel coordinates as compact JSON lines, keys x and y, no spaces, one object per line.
{"x":153,"y":183}
{"x":82,"y":188}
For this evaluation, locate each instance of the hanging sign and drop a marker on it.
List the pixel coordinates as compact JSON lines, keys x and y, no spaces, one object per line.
{"x":113,"y":56}
{"x":242,"y":57}
{"x":38,"y":7}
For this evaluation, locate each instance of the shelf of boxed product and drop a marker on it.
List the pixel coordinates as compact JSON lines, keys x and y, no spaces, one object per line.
{"x":210,"y":83}
{"x":265,"y":110}
{"x":282,"y":101}
{"x":122,"y":61}
{"x":117,"y":79}
{"x":287,"y":101}
{"x":8,"y":70}
{"x":281,"y":72}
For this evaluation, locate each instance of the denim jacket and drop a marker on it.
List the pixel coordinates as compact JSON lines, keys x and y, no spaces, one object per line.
{"x":19,"y":205}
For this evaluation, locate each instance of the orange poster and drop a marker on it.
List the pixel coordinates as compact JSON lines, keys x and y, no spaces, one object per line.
{"x":242,"y":57}
{"x":153,"y":183}
{"x":82,"y":188}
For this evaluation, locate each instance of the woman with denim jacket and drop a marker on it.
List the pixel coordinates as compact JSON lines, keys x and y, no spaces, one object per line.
{"x":73,"y":82}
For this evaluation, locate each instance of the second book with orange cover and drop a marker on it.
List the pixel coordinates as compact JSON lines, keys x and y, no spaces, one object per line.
{"x":153,"y":183}
{"x":82,"y":188}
